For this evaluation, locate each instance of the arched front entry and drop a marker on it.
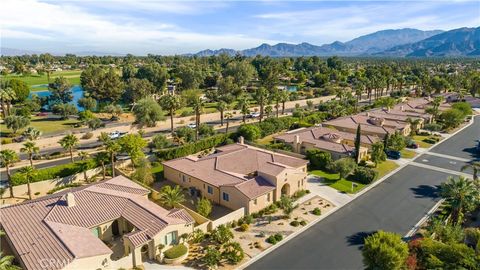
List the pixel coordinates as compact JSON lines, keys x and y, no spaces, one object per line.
{"x":286,"y":190}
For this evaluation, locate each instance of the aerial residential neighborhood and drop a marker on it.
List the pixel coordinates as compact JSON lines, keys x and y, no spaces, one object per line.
{"x":239,"y":135}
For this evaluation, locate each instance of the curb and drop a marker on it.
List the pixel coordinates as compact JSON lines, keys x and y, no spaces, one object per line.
{"x":423,"y":219}
{"x":357,"y":195}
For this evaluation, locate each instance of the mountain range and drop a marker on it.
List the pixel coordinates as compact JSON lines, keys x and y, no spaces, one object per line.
{"x":405,"y":42}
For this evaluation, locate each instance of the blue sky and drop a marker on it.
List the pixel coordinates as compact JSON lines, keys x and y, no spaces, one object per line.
{"x":175,"y":27}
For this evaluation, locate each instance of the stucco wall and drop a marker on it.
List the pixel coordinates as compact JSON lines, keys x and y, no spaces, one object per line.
{"x":235,"y":215}
{"x":96,"y":262}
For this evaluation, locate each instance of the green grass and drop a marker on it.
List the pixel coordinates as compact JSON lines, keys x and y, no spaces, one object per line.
{"x":385,"y":167}
{"x":45,"y":125}
{"x":408,"y":153}
{"x":419,"y":140}
{"x":343,"y":185}
{"x":72,"y":75}
{"x":157,"y":169}
{"x":266,"y":140}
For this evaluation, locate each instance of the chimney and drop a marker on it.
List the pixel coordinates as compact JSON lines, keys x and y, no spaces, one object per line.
{"x":401,"y":108}
{"x":241,"y":140}
{"x":297,"y":139}
{"x":70,"y":199}
{"x":368,"y":114}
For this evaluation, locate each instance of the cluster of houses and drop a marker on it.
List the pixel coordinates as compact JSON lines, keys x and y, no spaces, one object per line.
{"x":114,"y":223}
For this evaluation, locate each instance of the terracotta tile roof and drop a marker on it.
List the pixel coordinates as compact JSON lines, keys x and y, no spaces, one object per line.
{"x":315,"y":133}
{"x":138,"y":238}
{"x":255,"y":187}
{"x":181,"y":214}
{"x":232,"y":164}
{"x":48,"y":228}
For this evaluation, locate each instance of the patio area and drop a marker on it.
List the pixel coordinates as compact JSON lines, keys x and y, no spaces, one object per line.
{"x":191,"y":200}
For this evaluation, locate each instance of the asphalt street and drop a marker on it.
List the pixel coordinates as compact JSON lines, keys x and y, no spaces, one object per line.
{"x":395,"y":205}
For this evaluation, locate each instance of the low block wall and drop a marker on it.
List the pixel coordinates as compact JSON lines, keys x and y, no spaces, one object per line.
{"x":45,"y":186}
{"x":235,"y":215}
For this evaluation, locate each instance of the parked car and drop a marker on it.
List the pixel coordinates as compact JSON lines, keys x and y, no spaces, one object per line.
{"x":412,"y":145}
{"x":393,"y":154}
{"x":122,"y":157}
{"x":42,"y":114}
{"x":253,"y":115}
{"x":192,"y":125}
{"x":116,"y":134}
{"x":19,"y":139}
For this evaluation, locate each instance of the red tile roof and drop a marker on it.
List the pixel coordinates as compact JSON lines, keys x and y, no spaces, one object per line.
{"x":47,"y":228}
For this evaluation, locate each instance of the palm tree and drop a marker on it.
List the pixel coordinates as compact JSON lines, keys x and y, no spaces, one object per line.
{"x":32,"y":133}
{"x":30,"y":173}
{"x":30,"y":148}
{"x":197,"y":105}
{"x":460,"y":194}
{"x":6,"y":263}
{"x":221,"y":107}
{"x":261,"y":96}
{"x":170,"y":103}
{"x":7,"y":95}
{"x":284,"y":97}
{"x":475,"y":166}
{"x":102,"y":158}
{"x":268,"y":110}
{"x":171,"y":197}
{"x":7,"y":158}
{"x":69,"y":142}
{"x":243,"y":105}
{"x":228,"y":116}
{"x":112,"y":148}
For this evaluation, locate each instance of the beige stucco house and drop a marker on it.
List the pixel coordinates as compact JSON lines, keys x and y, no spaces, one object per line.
{"x":239,"y":175}
{"x":110,"y":224}
{"x":339,"y":144}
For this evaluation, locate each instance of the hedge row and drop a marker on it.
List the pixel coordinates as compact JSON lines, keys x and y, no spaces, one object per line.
{"x":193,"y":147}
{"x":55,"y":172}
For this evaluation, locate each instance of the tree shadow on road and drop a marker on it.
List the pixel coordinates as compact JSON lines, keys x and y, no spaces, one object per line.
{"x":426,"y":191}
{"x":358,"y":239}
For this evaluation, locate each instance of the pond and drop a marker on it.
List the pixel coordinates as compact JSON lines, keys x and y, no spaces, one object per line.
{"x":77,"y":92}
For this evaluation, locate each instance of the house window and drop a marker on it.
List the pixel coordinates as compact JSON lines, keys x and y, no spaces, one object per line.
{"x":171,"y":238}
{"x":226,"y":197}
{"x":209,"y":190}
{"x":298,"y":184}
{"x":302,"y":182}
{"x":203,"y":186}
{"x":184,"y":178}
{"x":255,"y":202}
{"x":268,"y":197}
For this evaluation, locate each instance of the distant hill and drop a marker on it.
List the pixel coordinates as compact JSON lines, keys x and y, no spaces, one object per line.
{"x":17,"y":52}
{"x":13,"y":52}
{"x":458,"y":42}
{"x":367,"y":44}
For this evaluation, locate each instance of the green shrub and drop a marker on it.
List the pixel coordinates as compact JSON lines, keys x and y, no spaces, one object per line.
{"x":175,"y":251}
{"x":55,"y":172}
{"x":194,"y":147}
{"x":303,"y":223}
{"x":249,"y":132}
{"x":300,"y":193}
{"x":317,"y":211}
{"x":319,"y":159}
{"x":274,"y":238}
{"x":87,"y":135}
{"x":431,"y":127}
{"x":294,"y":223}
{"x":248,"y":219}
{"x":364,"y":175}
{"x":244,"y":227}
{"x":6,"y":141}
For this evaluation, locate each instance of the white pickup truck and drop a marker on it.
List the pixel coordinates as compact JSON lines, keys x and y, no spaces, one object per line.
{"x":116,"y":134}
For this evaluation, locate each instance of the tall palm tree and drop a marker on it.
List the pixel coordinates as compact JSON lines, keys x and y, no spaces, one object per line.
{"x":30,"y":173}
{"x":475,"y":166}
{"x":460,"y":194}
{"x":112,"y":148}
{"x":170,"y":103}
{"x":197,"y":105}
{"x":7,"y":158}
{"x":221,"y":107}
{"x":243,"y":105}
{"x":31,"y":149}
{"x":284,"y":97}
{"x":171,"y":197}
{"x":69,"y":142}
{"x":32,"y":133}
{"x":7,"y":95}
{"x":228,"y":116}
{"x":261,"y":96}
{"x":103,"y":158}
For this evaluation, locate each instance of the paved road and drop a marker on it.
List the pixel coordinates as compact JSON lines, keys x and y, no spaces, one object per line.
{"x":463,"y":144}
{"x":396,"y":205}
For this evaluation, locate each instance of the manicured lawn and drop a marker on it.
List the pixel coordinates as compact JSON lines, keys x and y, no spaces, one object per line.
{"x":343,"y":185}
{"x":157,"y":172}
{"x":72,"y":75}
{"x":419,"y":139}
{"x":408,"y":153}
{"x":385,"y":167}
{"x":45,"y":125}
{"x":266,"y":140}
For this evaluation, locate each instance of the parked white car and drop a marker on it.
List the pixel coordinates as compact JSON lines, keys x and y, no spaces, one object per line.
{"x":116,"y":134}
{"x":192,"y":125}
{"x":253,"y":115}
